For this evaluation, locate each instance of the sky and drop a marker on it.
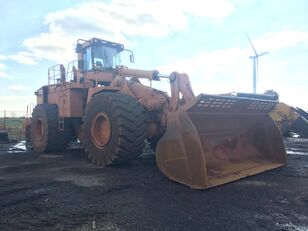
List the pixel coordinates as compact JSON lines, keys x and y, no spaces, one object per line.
{"x":205,"y":39}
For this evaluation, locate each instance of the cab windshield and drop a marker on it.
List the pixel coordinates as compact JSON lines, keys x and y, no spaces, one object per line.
{"x":101,"y":57}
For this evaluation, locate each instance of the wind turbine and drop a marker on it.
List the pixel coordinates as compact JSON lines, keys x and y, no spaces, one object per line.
{"x":255,"y":65}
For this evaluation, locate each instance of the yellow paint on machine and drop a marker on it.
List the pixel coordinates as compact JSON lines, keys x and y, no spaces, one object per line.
{"x":215,"y":141}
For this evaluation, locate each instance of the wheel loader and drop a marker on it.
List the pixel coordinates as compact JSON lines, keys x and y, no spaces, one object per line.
{"x":290,"y":119}
{"x":200,"y":141}
{"x":287,"y":118}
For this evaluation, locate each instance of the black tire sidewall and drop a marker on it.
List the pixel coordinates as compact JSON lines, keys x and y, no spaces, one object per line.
{"x":39,"y":114}
{"x":97,"y":105}
{"x":128,"y":128}
{"x":53,"y":139}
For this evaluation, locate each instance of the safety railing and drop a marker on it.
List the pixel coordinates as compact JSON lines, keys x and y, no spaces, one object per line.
{"x":56,"y":74}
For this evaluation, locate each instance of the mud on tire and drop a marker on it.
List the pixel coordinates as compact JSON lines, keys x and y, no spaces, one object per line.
{"x":45,"y":133}
{"x":114,"y":128}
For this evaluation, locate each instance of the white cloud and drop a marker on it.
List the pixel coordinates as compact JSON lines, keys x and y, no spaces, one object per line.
{"x":218,"y":71}
{"x":2,"y":66}
{"x":215,"y":10}
{"x":117,"y":20}
{"x":17,"y":88}
{"x":24,"y":58}
{"x":3,"y":75}
{"x":274,"y":41}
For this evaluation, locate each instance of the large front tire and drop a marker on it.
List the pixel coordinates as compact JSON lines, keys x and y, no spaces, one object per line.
{"x":114,"y":128}
{"x":45,"y":133}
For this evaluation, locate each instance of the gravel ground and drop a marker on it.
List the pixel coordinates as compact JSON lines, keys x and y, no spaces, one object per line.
{"x":64,"y":191}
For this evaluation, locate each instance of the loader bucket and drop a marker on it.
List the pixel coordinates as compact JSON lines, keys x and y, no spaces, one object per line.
{"x":213,"y":140}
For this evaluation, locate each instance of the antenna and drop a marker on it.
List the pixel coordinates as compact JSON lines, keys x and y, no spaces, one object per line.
{"x":255,"y":63}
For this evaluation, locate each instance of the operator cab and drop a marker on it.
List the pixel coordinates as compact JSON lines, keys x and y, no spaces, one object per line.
{"x":99,"y":55}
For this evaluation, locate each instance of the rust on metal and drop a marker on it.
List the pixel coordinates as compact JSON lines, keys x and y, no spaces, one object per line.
{"x":219,"y":140}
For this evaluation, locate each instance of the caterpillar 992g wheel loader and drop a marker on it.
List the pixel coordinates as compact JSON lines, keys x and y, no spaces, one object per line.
{"x":203,"y":141}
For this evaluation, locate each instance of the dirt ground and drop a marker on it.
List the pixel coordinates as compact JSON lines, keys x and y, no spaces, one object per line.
{"x":64,"y":191}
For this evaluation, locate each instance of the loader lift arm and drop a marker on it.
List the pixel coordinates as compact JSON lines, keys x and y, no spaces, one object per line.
{"x":180,"y":84}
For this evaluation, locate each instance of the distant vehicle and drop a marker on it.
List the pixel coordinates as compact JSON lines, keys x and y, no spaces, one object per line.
{"x":291,"y":120}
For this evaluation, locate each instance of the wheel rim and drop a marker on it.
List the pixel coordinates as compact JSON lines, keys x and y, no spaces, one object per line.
{"x":101,"y":130}
{"x":39,"y":129}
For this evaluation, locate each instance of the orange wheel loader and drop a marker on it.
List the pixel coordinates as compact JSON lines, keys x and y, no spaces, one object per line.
{"x":200,"y":141}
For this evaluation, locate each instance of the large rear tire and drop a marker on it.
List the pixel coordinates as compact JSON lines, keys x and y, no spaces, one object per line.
{"x":114,"y":128}
{"x":45,"y":133}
